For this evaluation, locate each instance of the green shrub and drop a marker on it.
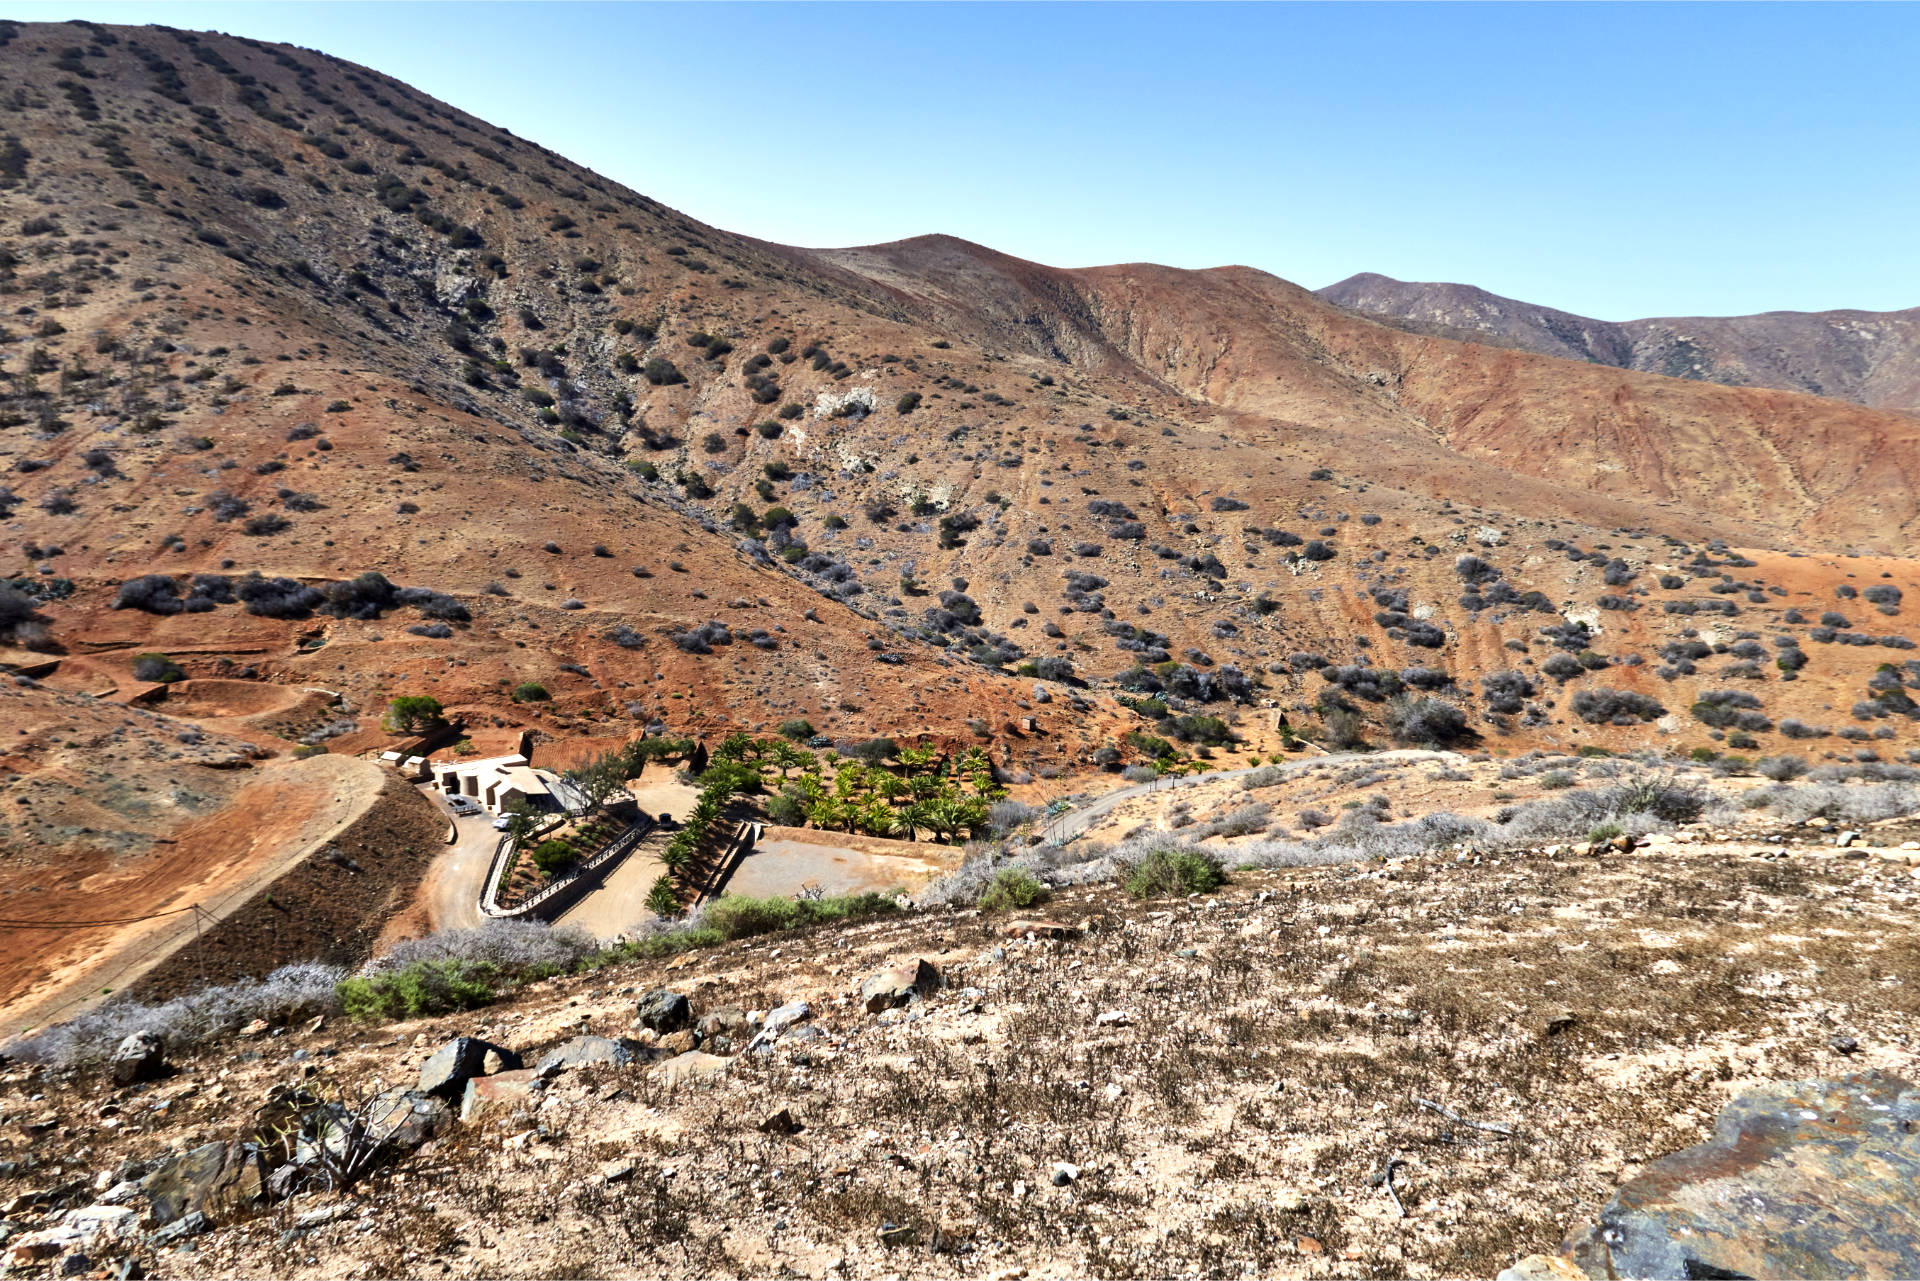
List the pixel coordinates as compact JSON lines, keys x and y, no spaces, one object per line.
{"x":1174,"y":873}
{"x":798,"y":729}
{"x":786,"y":810}
{"x":1012,"y":888}
{"x":551,"y":855}
{"x":659,"y":945}
{"x":156,"y":667}
{"x":738,"y":916}
{"x":423,"y":988}
{"x":531,"y":692}
{"x":411,"y":712}
{"x":1149,"y":744}
{"x":1605,"y":832}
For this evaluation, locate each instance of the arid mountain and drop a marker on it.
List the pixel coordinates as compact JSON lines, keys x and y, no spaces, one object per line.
{"x":1872,"y":357}
{"x":277,"y":315}
{"x":316,"y":392}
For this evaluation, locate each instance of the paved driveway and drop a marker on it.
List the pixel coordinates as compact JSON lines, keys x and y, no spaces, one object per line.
{"x":459,"y":872}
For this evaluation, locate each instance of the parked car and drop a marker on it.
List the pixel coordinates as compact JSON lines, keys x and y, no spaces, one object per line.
{"x":819,"y":740}
{"x":463,"y":805}
{"x":502,"y":823}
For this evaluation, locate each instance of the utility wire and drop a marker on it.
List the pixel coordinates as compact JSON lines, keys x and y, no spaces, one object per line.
{"x":9,"y":923}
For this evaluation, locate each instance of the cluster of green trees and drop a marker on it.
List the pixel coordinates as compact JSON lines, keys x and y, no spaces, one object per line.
{"x":881,"y":789}
{"x":889,"y":791}
{"x":719,"y":784}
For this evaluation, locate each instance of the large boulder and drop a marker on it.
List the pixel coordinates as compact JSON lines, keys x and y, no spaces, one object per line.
{"x":895,"y":987}
{"x":213,"y":1178}
{"x":582,"y":1051}
{"x":448,"y":1069}
{"x":141,"y":1057}
{"x":665,"y":1012}
{"x":1800,"y":1179}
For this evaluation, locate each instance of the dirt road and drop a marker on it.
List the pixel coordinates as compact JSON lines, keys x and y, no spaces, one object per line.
{"x":459,"y":872}
{"x":120,"y":926}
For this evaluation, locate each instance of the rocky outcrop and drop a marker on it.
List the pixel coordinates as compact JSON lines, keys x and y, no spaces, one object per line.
{"x":446,"y":1072}
{"x":213,"y":1179}
{"x":1803,"y":1179}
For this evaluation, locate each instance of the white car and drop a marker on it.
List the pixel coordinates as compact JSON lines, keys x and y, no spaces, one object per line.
{"x":502,"y":823}
{"x":463,"y":806}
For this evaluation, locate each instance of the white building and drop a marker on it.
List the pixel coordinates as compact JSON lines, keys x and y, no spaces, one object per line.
{"x":495,"y":781}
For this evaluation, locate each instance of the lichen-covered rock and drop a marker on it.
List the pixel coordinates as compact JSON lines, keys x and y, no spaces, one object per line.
{"x":1801,"y":1179}
{"x":728,"y":1020}
{"x":212,"y":1178}
{"x":402,"y":1120}
{"x":584,"y":1050}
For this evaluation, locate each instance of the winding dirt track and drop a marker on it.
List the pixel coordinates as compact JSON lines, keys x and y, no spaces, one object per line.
{"x":219,"y":863}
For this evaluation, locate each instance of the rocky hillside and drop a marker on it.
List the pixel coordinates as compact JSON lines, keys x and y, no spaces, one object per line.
{"x":1867,"y":356}
{"x":279,"y":321}
{"x":1430,"y":1065}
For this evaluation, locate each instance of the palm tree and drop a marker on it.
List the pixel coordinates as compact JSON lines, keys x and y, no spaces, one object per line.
{"x":877,"y":818}
{"x":785,"y":756}
{"x":736,"y":746}
{"x":830,"y":813}
{"x":915,"y":760}
{"x":944,"y":815}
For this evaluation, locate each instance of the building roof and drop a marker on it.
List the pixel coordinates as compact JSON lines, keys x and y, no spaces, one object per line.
{"x":489,"y":765}
{"x":527,"y":781}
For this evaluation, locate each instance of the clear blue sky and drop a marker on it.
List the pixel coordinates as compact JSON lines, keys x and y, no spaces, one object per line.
{"x":1616,"y":160}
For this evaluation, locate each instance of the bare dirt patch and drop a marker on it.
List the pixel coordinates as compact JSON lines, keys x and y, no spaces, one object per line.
{"x":209,"y":862}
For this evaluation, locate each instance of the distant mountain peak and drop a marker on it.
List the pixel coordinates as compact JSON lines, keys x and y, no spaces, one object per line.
{"x":1872,"y":358}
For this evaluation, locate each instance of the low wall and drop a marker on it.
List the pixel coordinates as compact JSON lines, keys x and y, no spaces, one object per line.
{"x":553,"y":902}
{"x":738,"y":847}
